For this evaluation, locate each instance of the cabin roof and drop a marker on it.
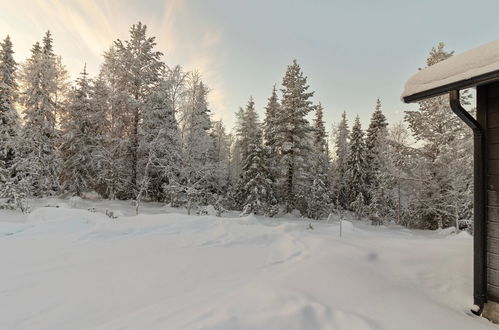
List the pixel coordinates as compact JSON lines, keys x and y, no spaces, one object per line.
{"x":472,"y":68}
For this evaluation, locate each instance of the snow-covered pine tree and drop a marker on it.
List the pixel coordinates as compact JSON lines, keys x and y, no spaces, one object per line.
{"x":293,"y":132}
{"x":138,"y":67}
{"x":356,"y":170}
{"x":38,"y":161}
{"x":81,"y":139}
{"x":341,"y":144}
{"x":439,"y":132}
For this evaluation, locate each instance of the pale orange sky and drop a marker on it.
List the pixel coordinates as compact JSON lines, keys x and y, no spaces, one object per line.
{"x":84,"y":29}
{"x":351,"y":51}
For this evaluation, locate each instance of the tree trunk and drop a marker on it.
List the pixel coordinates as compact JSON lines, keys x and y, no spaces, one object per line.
{"x":289,"y":192}
{"x":135,"y":148}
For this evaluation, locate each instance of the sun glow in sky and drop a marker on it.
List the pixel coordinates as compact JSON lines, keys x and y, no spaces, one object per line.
{"x":352,"y":51}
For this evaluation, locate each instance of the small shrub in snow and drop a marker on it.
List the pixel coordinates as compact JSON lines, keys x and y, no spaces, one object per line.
{"x":111,"y":214}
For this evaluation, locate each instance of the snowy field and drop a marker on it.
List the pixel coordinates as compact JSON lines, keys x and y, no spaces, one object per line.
{"x":69,"y":268}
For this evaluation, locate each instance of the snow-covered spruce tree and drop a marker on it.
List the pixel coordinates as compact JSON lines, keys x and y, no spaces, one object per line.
{"x":9,"y":119}
{"x":102,"y":161}
{"x":9,"y":124}
{"x":269,"y":123}
{"x":318,"y":194}
{"x":269,"y":135}
{"x":197,"y":179}
{"x":236,"y":150}
{"x":356,"y":167}
{"x":319,"y":133}
{"x":358,"y":206}
{"x":255,"y":184}
{"x":341,"y":145}
{"x":160,"y":146}
{"x":81,"y":139}
{"x":38,"y":161}
{"x":248,"y":133}
{"x":63,"y":89}
{"x":249,"y":128}
{"x":434,"y":178}
{"x":109,"y":96}
{"x":375,"y":145}
{"x":293,"y":133}
{"x":399,"y":158}
{"x":137,"y":68}
{"x":379,"y":182}
{"x":221,"y":157}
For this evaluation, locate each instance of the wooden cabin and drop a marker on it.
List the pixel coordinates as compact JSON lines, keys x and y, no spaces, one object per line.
{"x":478,"y":68}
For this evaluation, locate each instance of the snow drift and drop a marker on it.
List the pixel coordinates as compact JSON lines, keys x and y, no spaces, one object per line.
{"x":65,"y":268}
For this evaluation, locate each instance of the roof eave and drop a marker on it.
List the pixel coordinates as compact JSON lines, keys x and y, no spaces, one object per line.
{"x":485,"y":78}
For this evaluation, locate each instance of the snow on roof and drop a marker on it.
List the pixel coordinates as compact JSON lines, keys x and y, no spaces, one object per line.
{"x":471,"y":68}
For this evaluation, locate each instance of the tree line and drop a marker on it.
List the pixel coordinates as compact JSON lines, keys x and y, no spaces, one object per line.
{"x":142,"y":130}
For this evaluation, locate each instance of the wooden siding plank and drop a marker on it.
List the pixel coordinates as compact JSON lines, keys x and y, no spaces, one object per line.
{"x":493,"y":182}
{"x":493,"y":230}
{"x":492,"y":214}
{"x":493,"y":277}
{"x":492,"y":198}
{"x":492,"y":152}
{"x":493,"y":135}
{"x":492,"y":290}
{"x":493,"y":119}
{"x":493,"y":260}
{"x":493,"y":245}
{"x":493,"y":90}
{"x":493,"y":103}
{"x":493,"y":165}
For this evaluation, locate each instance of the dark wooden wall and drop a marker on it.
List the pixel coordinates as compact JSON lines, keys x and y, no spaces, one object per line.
{"x":488,"y":117}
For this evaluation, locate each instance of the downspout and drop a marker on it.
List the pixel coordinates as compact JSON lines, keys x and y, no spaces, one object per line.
{"x":479,"y":256}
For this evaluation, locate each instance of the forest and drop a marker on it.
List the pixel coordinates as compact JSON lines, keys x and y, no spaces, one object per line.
{"x":142,"y":130}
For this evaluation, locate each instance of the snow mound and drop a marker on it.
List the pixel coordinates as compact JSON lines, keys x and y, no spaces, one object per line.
{"x":461,"y":235}
{"x":447,"y":231}
{"x":75,"y":201}
{"x":92,"y":195}
{"x":347,"y":226}
{"x":268,"y":310}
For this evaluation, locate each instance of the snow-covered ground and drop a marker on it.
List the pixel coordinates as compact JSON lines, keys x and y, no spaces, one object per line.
{"x":69,"y":268}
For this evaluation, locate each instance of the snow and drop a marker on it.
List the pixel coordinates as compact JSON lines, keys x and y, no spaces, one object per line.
{"x":70,"y":268}
{"x":472,"y":63}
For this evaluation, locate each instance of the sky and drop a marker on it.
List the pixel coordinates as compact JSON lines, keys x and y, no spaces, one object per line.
{"x":352,"y":51}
